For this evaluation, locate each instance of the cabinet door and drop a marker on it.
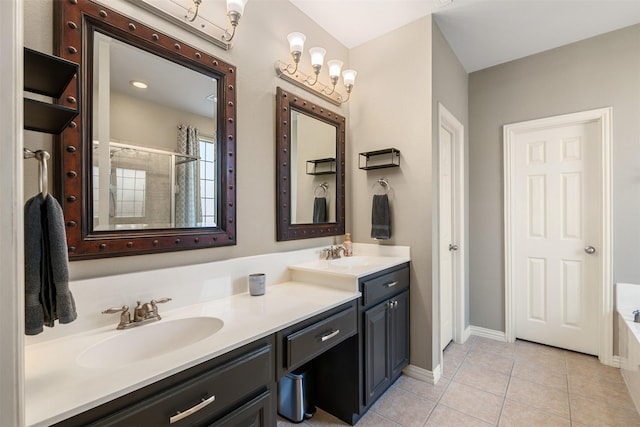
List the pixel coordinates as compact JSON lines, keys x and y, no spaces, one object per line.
{"x":399,"y":333}
{"x":376,"y":339}
{"x":258,"y":412}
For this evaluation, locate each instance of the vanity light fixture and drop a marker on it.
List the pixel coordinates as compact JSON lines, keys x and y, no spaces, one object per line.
{"x":195,"y":14}
{"x":290,"y":71}
{"x":235,"y":9}
{"x":188,"y":15}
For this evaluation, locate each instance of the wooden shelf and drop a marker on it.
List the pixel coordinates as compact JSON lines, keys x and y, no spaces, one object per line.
{"x":379,"y":159}
{"x":44,"y":117}
{"x":321,"y":166}
{"x":49,"y":76}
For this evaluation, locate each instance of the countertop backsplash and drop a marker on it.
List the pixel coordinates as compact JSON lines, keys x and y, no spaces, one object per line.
{"x":186,"y":285}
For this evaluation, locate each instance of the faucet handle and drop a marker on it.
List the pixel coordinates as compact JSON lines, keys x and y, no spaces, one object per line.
{"x":123,"y":309}
{"x":125,"y":317}
{"x":154,"y":305}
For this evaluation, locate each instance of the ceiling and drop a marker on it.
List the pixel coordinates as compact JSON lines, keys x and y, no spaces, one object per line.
{"x":482,"y":33}
{"x":194,"y":94}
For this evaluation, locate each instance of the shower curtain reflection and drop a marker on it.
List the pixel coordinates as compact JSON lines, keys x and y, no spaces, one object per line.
{"x":188,"y":207}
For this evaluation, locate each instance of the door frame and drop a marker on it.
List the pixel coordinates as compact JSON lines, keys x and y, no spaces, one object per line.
{"x":11,"y":216}
{"x":449,"y":122}
{"x":603,"y":117}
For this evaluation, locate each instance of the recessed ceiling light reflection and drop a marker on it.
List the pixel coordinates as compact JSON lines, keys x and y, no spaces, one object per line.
{"x":138,"y":84}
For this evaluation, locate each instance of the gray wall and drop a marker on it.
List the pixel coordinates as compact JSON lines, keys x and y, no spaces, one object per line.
{"x":391,"y":107}
{"x":598,"y":72}
{"x":450,"y":87}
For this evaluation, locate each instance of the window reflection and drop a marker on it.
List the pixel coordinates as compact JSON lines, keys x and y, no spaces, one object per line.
{"x":208,"y":181}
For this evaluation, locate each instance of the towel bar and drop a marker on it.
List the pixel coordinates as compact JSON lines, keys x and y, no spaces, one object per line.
{"x":43,"y":176}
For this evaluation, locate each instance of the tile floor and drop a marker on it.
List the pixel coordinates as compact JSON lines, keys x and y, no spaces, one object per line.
{"x":491,"y":383}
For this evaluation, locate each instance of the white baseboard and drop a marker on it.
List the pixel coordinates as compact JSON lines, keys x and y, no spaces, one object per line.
{"x":466,"y":334}
{"x":421,"y":374}
{"x":616,"y":362}
{"x":488,"y":333}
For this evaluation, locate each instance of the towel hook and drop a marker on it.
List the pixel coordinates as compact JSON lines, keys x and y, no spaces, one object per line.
{"x":43,"y":175}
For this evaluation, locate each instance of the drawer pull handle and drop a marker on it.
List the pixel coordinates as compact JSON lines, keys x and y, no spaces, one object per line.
{"x":181,"y":415}
{"x":391,"y":285}
{"x":330,"y":335}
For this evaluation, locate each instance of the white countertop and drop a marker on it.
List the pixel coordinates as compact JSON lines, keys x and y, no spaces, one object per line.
{"x":356,"y":266}
{"x":57,"y":387}
{"x":343,"y":273}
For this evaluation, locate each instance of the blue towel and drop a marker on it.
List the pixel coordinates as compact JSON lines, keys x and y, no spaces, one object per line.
{"x":46,"y":266}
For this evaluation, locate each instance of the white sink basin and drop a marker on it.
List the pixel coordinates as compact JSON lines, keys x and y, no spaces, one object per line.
{"x":148,"y":341}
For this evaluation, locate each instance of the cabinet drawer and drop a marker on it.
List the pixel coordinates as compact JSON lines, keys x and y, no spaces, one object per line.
{"x":309,"y":342}
{"x":382,"y":287}
{"x":223,"y":387}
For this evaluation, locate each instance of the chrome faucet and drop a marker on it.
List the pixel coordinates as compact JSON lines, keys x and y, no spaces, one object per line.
{"x":142,"y":313}
{"x":333,"y":252}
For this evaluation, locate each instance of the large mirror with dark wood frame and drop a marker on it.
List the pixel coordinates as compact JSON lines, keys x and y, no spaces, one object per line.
{"x":310,"y":143}
{"x":149,"y":164}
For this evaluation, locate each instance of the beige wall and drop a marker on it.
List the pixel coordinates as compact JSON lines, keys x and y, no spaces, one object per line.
{"x":599,"y":72}
{"x":391,"y":107}
{"x":130,"y":119}
{"x":260,"y":41}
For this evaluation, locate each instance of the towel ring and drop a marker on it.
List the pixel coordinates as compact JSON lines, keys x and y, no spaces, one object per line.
{"x":321,"y":190}
{"x":383,"y":183}
{"x":43,"y":175}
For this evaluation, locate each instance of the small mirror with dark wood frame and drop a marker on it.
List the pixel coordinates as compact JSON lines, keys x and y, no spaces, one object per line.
{"x":310,"y":144}
{"x":149,"y":165}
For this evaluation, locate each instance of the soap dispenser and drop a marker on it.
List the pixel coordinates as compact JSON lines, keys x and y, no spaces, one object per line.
{"x":347,"y":245}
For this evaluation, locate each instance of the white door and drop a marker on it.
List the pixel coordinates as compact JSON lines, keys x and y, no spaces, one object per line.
{"x":451,"y":227}
{"x":447,"y":244}
{"x":557,"y":235}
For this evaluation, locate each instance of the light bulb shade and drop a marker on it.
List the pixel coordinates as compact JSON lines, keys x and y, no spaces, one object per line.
{"x":236,"y":6}
{"x":317,"y":55}
{"x":296,"y":42}
{"x":349,"y":77}
{"x":335,"y":65}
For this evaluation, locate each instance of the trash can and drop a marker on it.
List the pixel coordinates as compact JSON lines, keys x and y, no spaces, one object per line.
{"x":295,"y":399}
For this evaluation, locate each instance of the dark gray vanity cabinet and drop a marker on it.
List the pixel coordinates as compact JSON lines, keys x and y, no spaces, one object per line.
{"x":385,"y":329}
{"x":258,"y":412}
{"x":352,"y":375}
{"x":304,"y":341}
{"x":399,"y":333}
{"x":235,"y":389}
{"x":385,"y":344}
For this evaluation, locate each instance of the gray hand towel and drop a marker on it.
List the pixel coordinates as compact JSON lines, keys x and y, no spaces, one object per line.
{"x":319,"y":209}
{"x":380,"y":218}
{"x":47,"y":294}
